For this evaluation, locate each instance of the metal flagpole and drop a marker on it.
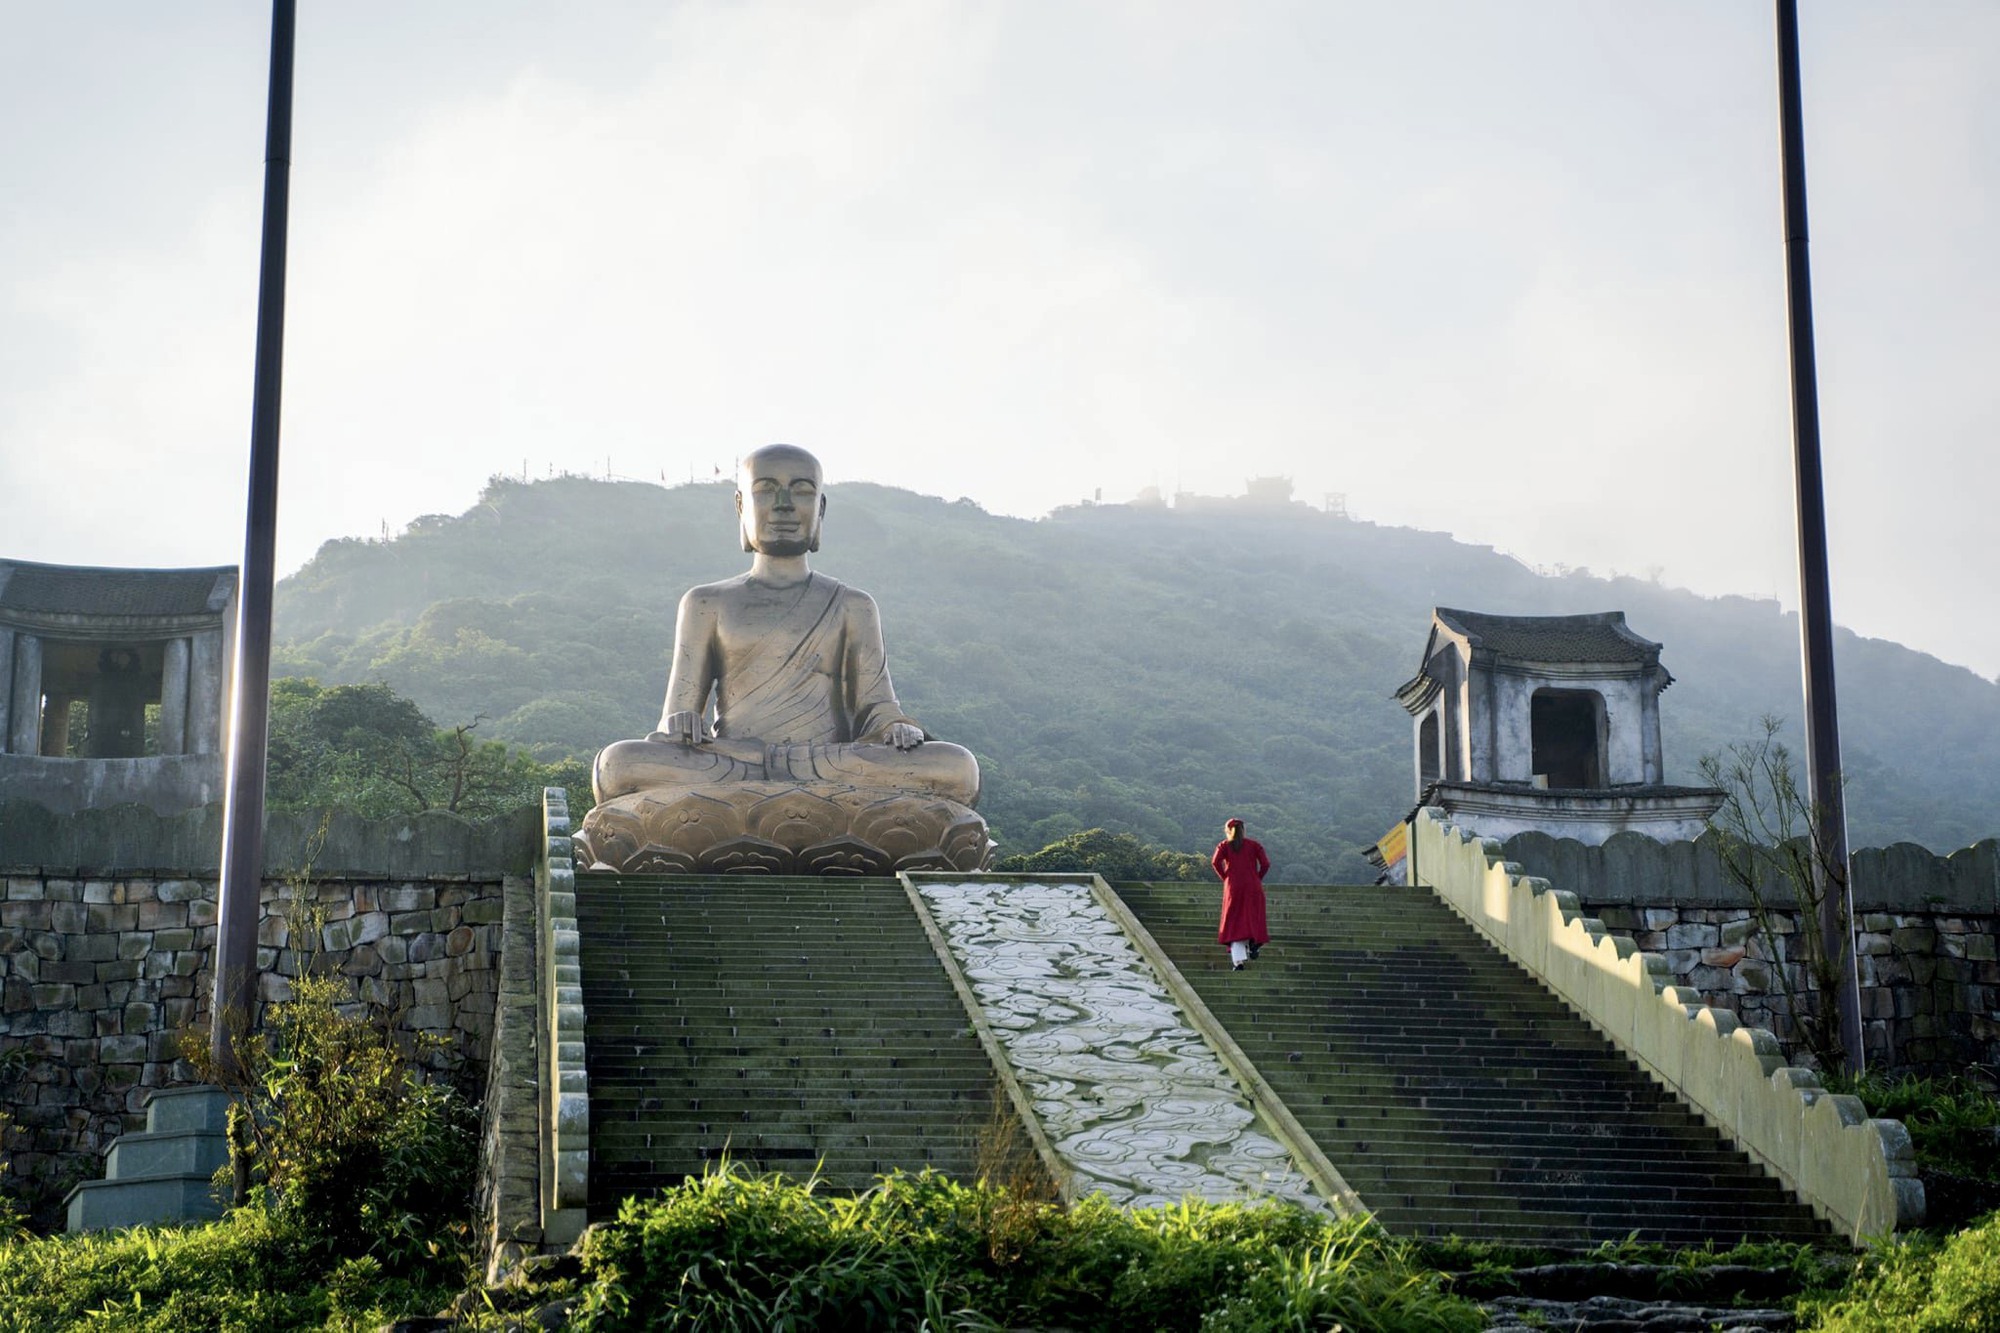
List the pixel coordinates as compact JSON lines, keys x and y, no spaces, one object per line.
{"x":1829,"y":810}
{"x":235,"y":993}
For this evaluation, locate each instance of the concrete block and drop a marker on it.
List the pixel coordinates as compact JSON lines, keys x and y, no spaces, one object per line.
{"x":1687,"y":935}
{"x":122,"y":1049}
{"x":174,"y":1153}
{"x":48,"y":995}
{"x":369,"y":927}
{"x":111,"y":1204}
{"x":112,"y":916}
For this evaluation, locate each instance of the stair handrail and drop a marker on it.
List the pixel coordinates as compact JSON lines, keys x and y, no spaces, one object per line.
{"x":566,"y":1089}
{"x":1857,"y":1173}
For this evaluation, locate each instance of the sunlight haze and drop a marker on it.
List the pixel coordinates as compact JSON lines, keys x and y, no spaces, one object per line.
{"x":1512,"y":272}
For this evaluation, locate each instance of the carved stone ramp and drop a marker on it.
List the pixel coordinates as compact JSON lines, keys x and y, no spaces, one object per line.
{"x":1450,"y":1090}
{"x":793,"y":1023}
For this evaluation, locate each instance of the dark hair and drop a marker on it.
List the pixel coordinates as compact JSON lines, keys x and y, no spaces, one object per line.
{"x":1235,"y":827}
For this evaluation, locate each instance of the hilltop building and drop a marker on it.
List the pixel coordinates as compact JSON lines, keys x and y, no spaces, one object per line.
{"x":112,"y":683}
{"x":1547,"y":723}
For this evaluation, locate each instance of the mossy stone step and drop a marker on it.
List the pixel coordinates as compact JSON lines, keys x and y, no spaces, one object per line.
{"x":1454,"y":1091}
{"x":798,"y":1024}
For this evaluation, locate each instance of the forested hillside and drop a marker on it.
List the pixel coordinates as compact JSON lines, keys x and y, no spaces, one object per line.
{"x":1143,"y":670}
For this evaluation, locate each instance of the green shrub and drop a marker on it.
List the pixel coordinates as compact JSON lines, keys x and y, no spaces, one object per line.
{"x":1925,"y":1285}
{"x":248,"y":1272}
{"x":362,"y":1150}
{"x":736,"y":1251}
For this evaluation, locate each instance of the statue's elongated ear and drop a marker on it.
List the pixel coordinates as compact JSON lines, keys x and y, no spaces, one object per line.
{"x":742,"y":531}
{"x":820,"y":526}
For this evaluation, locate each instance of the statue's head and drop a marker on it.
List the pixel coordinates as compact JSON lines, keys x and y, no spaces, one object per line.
{"x":779,"y":499}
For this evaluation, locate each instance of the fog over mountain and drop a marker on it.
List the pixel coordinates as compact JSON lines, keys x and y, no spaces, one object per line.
{"x":1144,"y":669}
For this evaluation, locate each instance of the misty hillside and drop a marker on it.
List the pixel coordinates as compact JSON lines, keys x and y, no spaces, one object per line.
{"x":1144,"y":670}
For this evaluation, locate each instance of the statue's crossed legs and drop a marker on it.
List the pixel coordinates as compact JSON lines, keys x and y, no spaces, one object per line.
{"x":937,"y":768}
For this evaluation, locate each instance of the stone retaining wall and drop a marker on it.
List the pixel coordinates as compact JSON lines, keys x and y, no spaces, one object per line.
{"x":1927,"y":932}
{"x":99,"y":978}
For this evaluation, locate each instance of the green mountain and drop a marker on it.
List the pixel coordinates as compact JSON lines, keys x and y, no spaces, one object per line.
{"x":1150,"y":671}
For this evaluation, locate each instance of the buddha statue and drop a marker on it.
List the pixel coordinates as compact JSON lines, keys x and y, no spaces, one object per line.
{"x":781,"y":748}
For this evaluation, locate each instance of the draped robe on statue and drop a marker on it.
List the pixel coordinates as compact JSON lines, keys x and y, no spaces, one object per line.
{"x":822,"y":685}
{"x":803,"y":717}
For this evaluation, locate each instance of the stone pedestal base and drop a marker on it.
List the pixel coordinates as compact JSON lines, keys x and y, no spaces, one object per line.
{"x":777,"y":828}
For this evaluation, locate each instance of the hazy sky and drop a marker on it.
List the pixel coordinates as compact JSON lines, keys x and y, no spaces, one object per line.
{"x":1508,"y":270}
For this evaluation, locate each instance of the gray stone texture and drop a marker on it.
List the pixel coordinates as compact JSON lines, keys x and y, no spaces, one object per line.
{"x":1925,"y":933}
{"x":100,"y":976}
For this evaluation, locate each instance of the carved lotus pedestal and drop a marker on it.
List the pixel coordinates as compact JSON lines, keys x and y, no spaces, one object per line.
{"x":778,"y":828}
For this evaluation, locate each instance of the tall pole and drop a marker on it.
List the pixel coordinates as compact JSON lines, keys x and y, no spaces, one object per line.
{"x":1829,"y":810}
{"x":235,"y":995}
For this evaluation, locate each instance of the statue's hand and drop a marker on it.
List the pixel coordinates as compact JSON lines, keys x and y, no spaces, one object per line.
{"x":905,"y":736}
{"x":687,"y":727}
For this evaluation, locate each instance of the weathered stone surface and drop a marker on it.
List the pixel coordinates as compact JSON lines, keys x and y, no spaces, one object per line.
{"x":783,"y":829}
{"x":99,"y":977}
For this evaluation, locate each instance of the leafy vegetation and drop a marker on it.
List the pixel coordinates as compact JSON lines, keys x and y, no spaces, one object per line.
{"x":737,"y":1251}
{"x":357,"y":1147}
{"x":1116,"y":856}
{"x":363,"y":1165}
{"x":1924,"y":1284}
{"x":1141,"y":671}
{"x":368,"y":749}
{"x":251,"y":1271}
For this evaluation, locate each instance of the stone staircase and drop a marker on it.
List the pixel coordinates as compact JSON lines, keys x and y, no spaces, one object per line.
{"x":796,"y":1024}
{"x":163,"y":1173}
{"x":1455,"y":1094}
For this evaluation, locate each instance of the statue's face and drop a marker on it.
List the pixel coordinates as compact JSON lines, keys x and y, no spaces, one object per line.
{"x":779,"y":499}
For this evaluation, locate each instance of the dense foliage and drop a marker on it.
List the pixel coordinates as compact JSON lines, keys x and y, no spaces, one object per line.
{"x":1924,"y":1284}
{"x":1146,"y":671}
{"x":361,"y":1161}
{"x":367,"y":749}
{"x":356,"y":1145}
{"x":1116,"y":856}
{"x":251,"y":1271}
{"x":734,"y":1251}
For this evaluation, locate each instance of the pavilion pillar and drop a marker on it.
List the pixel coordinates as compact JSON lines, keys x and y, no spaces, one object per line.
{"x":174,"y":697}
{"x":26,"y":734}
{"x":6,"y":687}
{"x":204,"y":694}
{"x":1653,"y":758}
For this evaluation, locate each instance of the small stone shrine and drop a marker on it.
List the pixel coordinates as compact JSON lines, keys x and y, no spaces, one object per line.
{"x":782,"y":749}
{"x":1548,"y":723}
{"x":112,"y":684}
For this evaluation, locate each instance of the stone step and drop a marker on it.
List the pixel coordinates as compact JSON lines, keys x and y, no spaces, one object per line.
{"x":1453,"y":1090}
{"x":801,"y":1024}
{"x":175,"y":1152}
{"x":105,"y":1205}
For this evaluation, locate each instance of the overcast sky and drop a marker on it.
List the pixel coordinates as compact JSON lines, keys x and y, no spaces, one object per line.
{"x":1508,"y":270}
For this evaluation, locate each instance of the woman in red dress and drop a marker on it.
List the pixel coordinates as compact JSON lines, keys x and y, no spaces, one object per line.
{"x":1241,"y":865}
